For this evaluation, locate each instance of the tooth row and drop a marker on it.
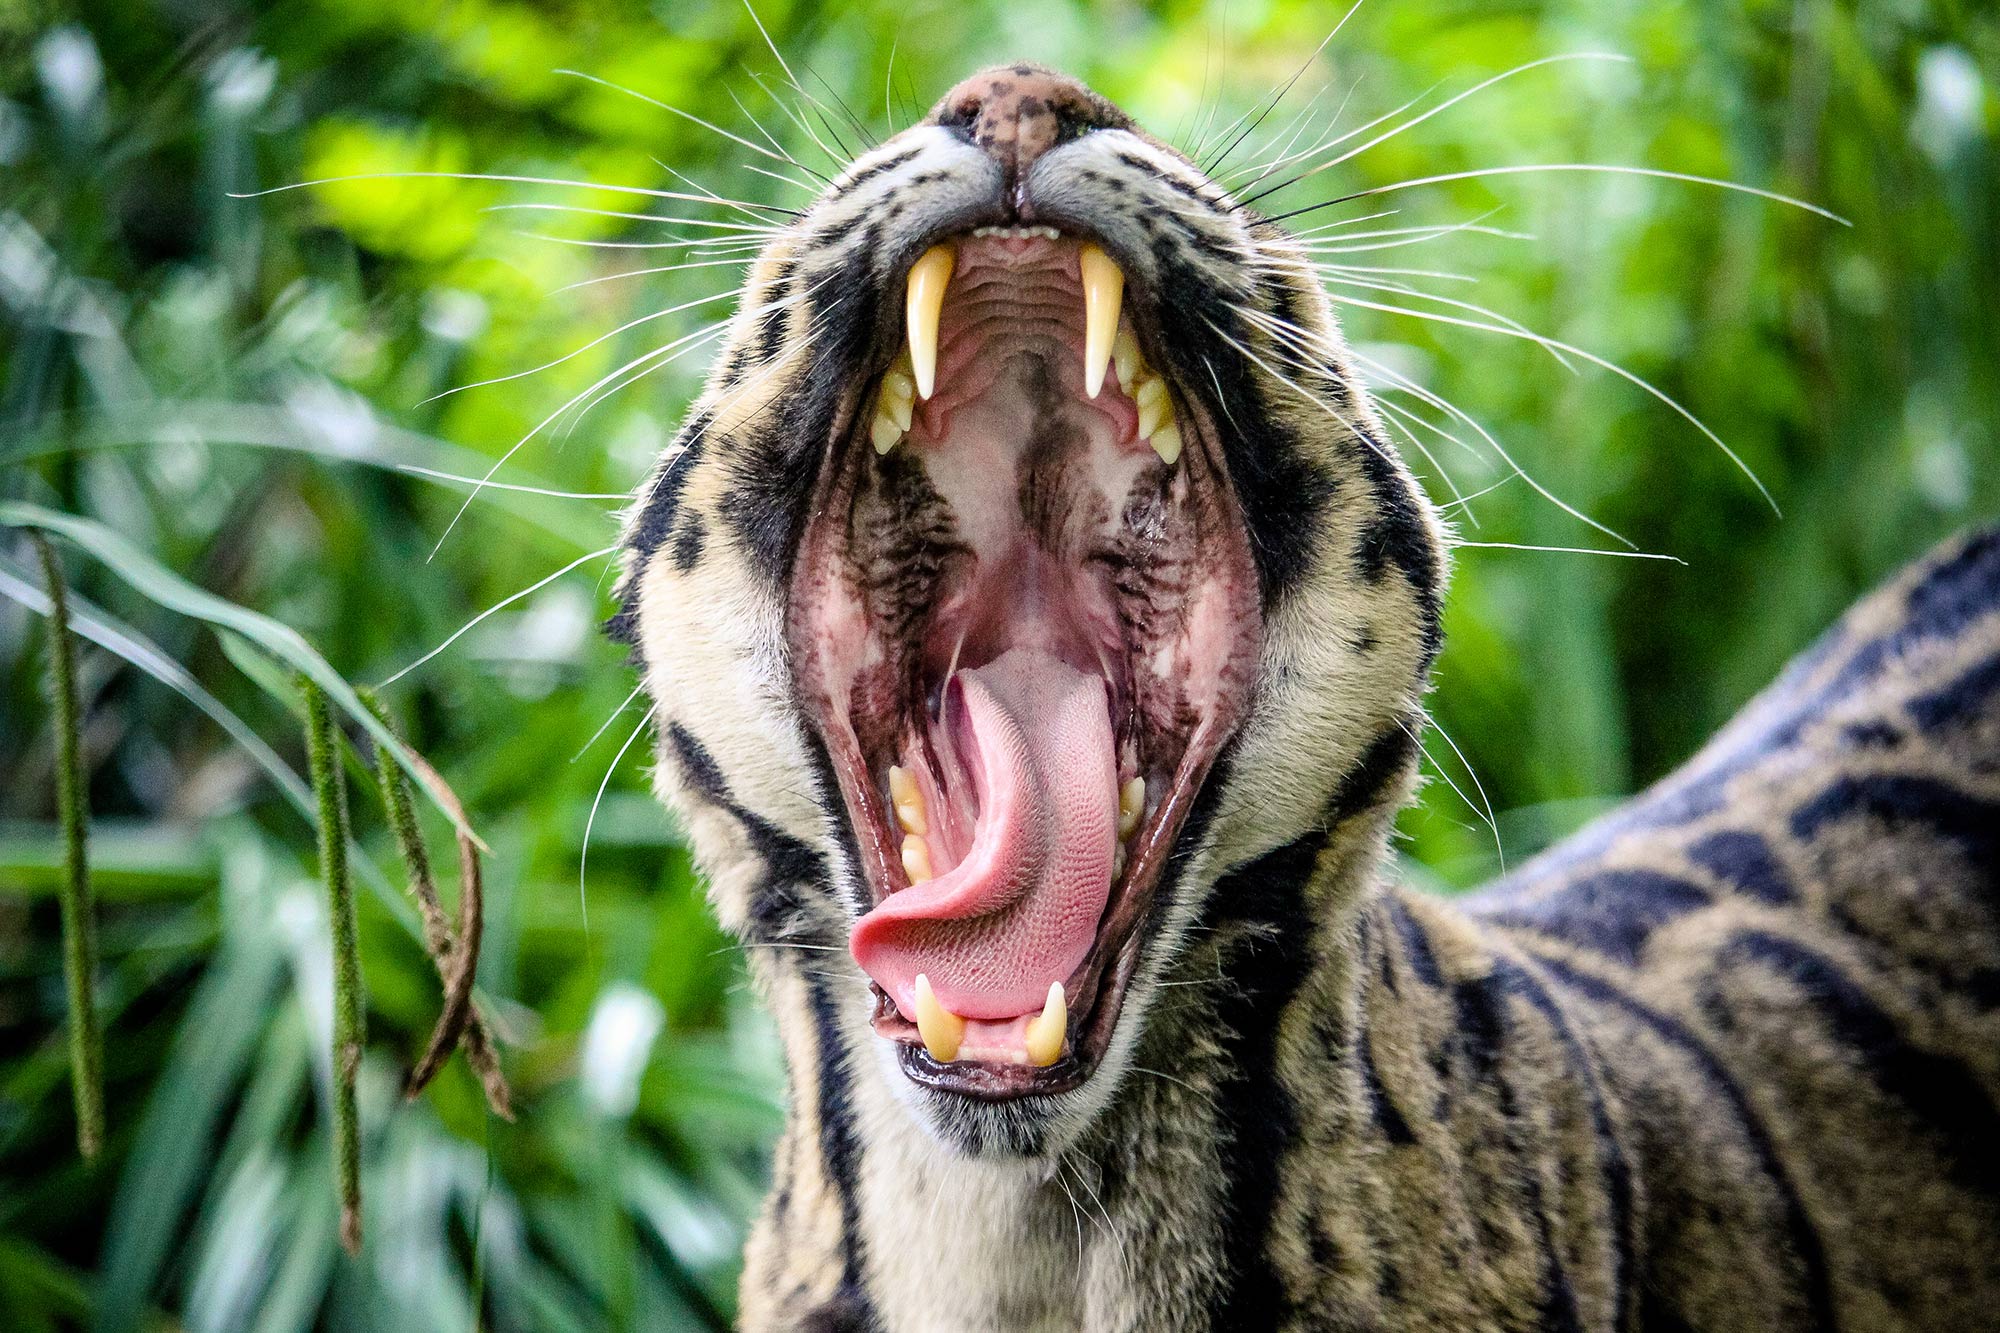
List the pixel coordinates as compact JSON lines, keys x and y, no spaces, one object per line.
{"x":1107,"y":342}
{"x":895,"y":401}
{"x":1148,"y":392}
{"x":943,"y":1032}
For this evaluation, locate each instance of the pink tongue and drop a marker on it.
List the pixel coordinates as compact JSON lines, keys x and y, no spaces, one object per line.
{"x":1021,"y":909}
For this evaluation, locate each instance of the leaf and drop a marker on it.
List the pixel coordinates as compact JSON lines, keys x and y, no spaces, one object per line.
{"x":160,"y":584}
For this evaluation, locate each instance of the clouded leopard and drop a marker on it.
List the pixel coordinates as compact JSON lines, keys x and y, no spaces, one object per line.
{"x":1037,"y":620}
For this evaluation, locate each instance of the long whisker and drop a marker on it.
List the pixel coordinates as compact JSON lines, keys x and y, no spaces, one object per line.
{"x":590,"y":821}
{"x":1594,"y":359}
{"x":1572,"y":550}
{"x":497,"y":607}
{"x":1529,"y":168}
{"x":674,"y":110}
{"x":548,"y":420}
{"x":602,"y":338}
{"x":1457,"y":413}
{"x":605,"y":726}
{"x":1279,"y":94}
{"x":499,"y":177}
{"x":1484,"y":808}
{"x":708,"y":224}
{"x":736,"y":262}
{"x":1439,"y":109}
{"x":436,"y":475}
{"x":1404,"y":289}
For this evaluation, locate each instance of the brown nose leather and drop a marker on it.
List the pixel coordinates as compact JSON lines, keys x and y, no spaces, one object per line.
{"x":1018,"y":112}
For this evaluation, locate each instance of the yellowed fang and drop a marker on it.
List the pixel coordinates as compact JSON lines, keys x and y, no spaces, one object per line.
{"x":929,"y":277}
{"x":1046,"y":1030}
{"x":1103,"y":295}
{"x":942,"y":1030}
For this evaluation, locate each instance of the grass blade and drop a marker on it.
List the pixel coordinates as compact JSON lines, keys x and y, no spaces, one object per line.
{"x":281,"y":641}
{"x":79,"y":922}
{"x":349,"y":1022}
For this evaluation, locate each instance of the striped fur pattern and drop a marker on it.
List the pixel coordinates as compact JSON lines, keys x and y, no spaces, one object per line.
{"x":1729,"y":1059}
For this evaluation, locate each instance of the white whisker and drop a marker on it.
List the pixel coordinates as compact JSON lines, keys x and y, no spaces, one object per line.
{"x":1596,"y":360}
{"x":436,"y":475}
{"x":590,"y":821}
{"x":605,"y":726}
{"x":496,"y":608}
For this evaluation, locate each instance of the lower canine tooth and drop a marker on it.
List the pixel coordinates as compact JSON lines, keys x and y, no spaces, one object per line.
{"x":941,"y":1029}
{"x":1046,"y":1030}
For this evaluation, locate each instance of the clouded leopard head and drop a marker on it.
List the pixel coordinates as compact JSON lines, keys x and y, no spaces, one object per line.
{"x":1031,"y":559}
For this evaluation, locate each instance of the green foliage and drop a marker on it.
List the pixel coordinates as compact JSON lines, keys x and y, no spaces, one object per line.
{"x":232,"y":415}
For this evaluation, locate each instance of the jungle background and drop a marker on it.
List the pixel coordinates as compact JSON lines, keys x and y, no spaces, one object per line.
{"x":237,"y":395}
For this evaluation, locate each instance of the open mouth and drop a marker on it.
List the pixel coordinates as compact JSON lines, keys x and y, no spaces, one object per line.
{"x":1024,"y":621}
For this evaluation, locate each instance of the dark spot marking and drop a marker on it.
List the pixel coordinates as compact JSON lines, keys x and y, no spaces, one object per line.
{"x":1613,"y":911}
{"x":688,"y":541}
{"x":1744,"y":861}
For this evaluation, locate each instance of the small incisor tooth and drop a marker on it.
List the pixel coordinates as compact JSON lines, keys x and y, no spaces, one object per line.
{"x":1167,"y":443}
{"x":908,"y":798}
{"x":1103,"y":295}
{"x":1131,"y":806}
{"x":929,"y":276}
{"x":1046,"y":1030}
{"x":941,"y":1029}
{"x":916,"y":859}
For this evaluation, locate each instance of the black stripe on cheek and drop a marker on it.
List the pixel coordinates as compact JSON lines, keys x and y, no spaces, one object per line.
{"x":866,"y":174}
{"x":1254,"y":1103}
{"x":790,"y":867}
{"x":1283,"y":492}
{"x":663,"y":498}
{"x":1804,"y":1241}
{"x":1397,"y":537}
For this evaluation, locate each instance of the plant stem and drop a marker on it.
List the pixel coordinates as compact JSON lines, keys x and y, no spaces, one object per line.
{"x":79,"y":923}
{"x":349,"y":1021}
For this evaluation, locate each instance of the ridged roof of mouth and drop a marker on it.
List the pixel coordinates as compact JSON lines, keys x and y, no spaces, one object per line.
{"x":1024,"y":619}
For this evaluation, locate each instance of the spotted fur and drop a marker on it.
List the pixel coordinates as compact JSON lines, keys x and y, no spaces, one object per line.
{"x":1729,"y":1059}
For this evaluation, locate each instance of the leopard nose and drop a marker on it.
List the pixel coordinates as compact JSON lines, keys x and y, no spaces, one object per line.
{"x":1019,"y":112}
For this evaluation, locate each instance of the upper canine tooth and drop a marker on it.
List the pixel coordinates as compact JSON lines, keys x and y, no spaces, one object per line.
{"x":941,"y":1029}
{"x":1103,"y":294}
{"x":908,"y":799}
{"x":929,"y":276}
{"x":1166,"y":443}
{"x":1046,"y":1030}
